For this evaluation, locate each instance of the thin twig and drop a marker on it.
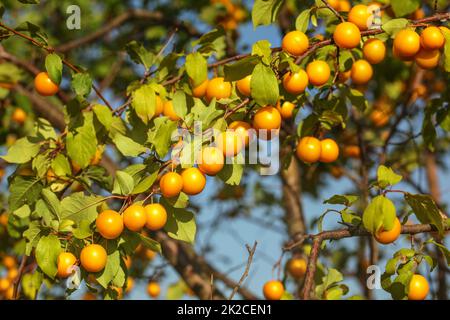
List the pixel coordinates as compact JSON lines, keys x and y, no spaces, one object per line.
{"x":251,"y":253}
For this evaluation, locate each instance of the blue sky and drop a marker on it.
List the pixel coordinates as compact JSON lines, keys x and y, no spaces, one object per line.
{"x":230,"y":239}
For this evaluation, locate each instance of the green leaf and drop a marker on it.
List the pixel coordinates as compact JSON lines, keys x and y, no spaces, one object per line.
{"x":150,"y":243}
{"x":400,"y":285}
{"x":265,"y":12}
{"x":302,"y":21}
{"x":23,"y":150}
{"x":446,"y":33}
{"x":24,"y":190}
{"x":81,"y":141}
{"x":139,"y":54}
{"x":426,"y":210}
{"x":180,"y":104}
{"x":196,"y":68}
{"x":144,"y":102}
{"x":111,"y":268}
{"x":357,"y":99}
{"x":61,"y":166}
{"x":264,"y":85}
{"x":83,"y":231}
{"x":104,"y":115}
{"x":161,"y":135}
{"x":404,"y":7}
{"x":32,"y":234}
{"x":23,"y":212}
{"x":123,"y":184}
{"x":80,"y":208}
{"x":176,"y":291}
{"x":82,"y":84}
{"x":181,"y":201}
{"x":53,"y":65}
{"x":387,"y":177}
{"x":379,"y":213}
{"x":145,"y":184}
{"x":44,"y":129}
{"x":52,"y":202}
{"x":180,"y":223}
{"x":232,"y":172}
{"x":393,"y":26}
{"x":241,"y":68}
{"x":31,"y":283}
{"x":346,"y":200}
{"x":47,"y":252}
{"x":443,"y":249}
{"x":262,"y":49}
{"x":127,"y":146}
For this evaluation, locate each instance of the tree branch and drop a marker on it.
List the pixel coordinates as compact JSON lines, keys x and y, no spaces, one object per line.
{"x":132,"y":14}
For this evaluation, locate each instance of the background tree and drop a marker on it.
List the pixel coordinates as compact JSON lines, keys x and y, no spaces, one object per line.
{"x":357,"y":92}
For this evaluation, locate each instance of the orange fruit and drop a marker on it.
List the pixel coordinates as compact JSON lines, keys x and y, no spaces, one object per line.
{"x":159,"y":106}
{"x":361,"y":72}
{"x":418,"y":14}
{"x":218,"y":88}
{"x":374,"y":50}
{"x":4,"y":219}
{"x":243,"y":85}
{"x":241,"y":128}
{"x":344,"y":6}
{"x":65,"y":262}
{"x":93,"y":258}
{"x":273,"y":290}
{"x":171,"y":184}
{"x":297,"y":267}
{"x":211,"y":160}
{"x":97,"y":156}
{"x":267,"y":118}
{"x":379,"y":118}
{"x":334,"y":4}
{"x":169,"y":111}
{"x":194,"y":181}
{"x":12,"y":274}
{"x":130,"y":284}
{"x":360,"y":15}
{"x":352,"y":151}
{"x":9,"y":262}
{"x":406,"y":43}
{"x":89,"y":296}
{"x":295,"y":83}
{"x":418,"y":287}
{"x":347,"y":35}
{"x":19,"y":116}
{"x":44,"y":85}
{"x":344,"y":75}
{"x":150,"y":254}
{"x":134,"y":217}
{"x":109,"y":224}
{"x":230,"y":142}
{"x":432,"y":38}
{"x":318,"y":72}
{"x":156,"y":216}
{"x":128,"y":262}
{"x":329,"y":151}
{"x":295,"y":43}
{"x":286,"y":110}
{"x":5,"y":283}
{"x":153,"y":289}
{"x":309,"y":149}
{"x":389,"y":236}
{"x":200,"y":90}
{"x":427,"y":59}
